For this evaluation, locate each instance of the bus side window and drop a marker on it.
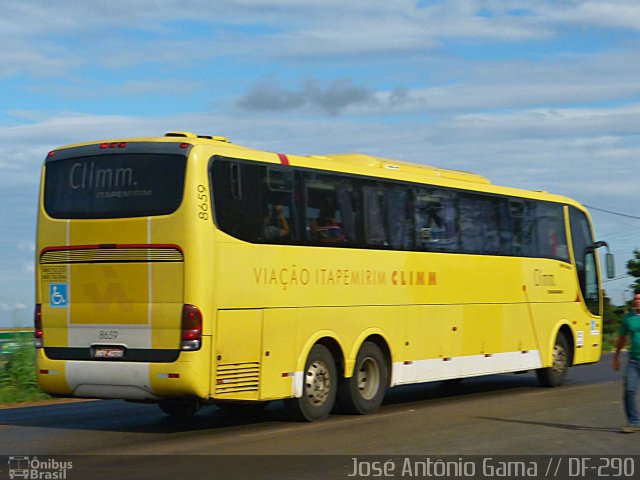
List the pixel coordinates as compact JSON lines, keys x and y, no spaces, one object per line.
{"x":374,"y":231}
{"x":551,"y":237}
{"x":397,"y":217}
{"x":522,"y":224}
{"x":331,"y":219}
{"x":238,"y":212}
{"x":479,"y":232}
{"x":277,"y":196}
{"x":435,"y":214}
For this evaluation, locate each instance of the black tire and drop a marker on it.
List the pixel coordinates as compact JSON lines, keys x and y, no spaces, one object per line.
{"x":179,"y":408}
{"x":554,"y":375}
{"x":319,"y":388}
{"x":364,"y":391}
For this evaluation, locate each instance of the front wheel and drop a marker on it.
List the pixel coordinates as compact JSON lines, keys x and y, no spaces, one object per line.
{"x":554,"y":375}
{"x":319,"y":387}
{"x":363,"y":392}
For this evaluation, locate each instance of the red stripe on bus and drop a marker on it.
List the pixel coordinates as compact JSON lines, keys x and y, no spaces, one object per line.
{"x":284,"y":160}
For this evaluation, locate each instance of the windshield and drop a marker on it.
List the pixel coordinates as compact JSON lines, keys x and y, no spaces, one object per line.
{"x":114,"y":186}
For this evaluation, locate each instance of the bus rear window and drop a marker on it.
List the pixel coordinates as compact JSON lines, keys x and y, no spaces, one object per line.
{"x":114,"y":186}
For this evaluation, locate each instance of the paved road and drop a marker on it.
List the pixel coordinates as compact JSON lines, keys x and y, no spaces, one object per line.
{"x":497,"y":415}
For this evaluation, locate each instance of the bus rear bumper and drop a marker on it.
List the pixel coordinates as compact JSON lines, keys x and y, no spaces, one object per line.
{"x":119,"y":380}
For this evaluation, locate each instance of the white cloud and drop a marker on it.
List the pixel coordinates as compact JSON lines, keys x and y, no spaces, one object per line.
{"x":82,"y":33}
{"x":515,"y":148}
{"x":393,"y":79}
{"x":617,"y":14}
{"x":465,"y":86}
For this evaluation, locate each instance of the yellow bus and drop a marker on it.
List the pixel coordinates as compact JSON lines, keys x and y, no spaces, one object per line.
{"x":187,"y":270}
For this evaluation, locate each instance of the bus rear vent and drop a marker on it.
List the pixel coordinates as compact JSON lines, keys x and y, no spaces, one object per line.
{"x":181,"y":134}
{"x":237,"y":377}
{"x":111,"y":254}
{"x":193,"y":135}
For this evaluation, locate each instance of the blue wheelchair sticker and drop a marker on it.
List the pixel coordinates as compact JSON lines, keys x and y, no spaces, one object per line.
{"x":57,"y":295}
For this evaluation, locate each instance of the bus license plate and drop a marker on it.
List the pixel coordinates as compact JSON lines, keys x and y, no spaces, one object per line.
{"x":108,"y":352}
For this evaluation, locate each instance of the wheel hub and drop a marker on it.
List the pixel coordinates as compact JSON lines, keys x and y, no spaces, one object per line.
{"x":318,"y":382}
{"x":368,"y":378}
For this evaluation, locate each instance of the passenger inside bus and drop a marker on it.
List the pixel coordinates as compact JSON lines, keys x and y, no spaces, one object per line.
{"x":326,"y":230}
{"x":276,"y":226}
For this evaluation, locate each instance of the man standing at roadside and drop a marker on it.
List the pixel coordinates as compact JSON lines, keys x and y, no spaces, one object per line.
{"x":630,"y":329}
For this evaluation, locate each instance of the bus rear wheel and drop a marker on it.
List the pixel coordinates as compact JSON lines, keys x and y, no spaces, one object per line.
{"x":554,"y":375}
{"x":320,"y":384}
{"x":363,"y":392}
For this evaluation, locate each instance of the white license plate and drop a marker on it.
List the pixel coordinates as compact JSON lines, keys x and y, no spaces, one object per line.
{"x":108,"y":352}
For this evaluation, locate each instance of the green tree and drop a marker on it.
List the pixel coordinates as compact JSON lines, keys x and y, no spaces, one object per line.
{"x":612,"y":316}
{"x":633,"y":267}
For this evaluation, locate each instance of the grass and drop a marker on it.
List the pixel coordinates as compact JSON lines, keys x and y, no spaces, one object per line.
{"x":18,"y":373}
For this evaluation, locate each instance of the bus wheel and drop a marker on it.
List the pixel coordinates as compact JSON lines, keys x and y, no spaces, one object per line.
{"x":319,"y":388}
{"x":363,"y":392}
{"x":179,"y":408}
{"x":554,"y":375}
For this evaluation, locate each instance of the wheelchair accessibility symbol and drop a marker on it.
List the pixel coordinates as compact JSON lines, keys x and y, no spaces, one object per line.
{"x":57,"y":295}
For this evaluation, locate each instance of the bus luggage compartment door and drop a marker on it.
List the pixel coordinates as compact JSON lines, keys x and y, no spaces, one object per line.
{"x":237,"y":355}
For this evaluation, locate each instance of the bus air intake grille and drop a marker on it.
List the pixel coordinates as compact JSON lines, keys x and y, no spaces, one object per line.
{"x":237,"y":377}
{"x":115,"y":254}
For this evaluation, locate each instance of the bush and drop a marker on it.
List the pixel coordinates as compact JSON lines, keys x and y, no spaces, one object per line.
{"x":18,"y":381}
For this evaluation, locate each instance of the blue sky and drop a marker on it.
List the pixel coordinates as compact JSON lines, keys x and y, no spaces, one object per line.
{"x":534,"y":94}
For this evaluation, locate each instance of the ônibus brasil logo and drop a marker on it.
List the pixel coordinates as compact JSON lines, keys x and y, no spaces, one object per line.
{"x":35,"y":469}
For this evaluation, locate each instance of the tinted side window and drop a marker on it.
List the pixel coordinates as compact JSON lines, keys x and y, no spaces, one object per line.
{"x":331,"y":210}
{"x":436,"y":220}
{"x":237,"y":191}
{"x":551,"y":237}
{"x":273,"y":204}
{"x":479,"y":232}
{"x":398,"y":217}
{"x":374,"y":225}
{"x":520,"y":218}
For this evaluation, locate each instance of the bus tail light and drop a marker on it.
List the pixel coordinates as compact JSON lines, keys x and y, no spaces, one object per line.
{"x":191,"y":328}
{"x":37,"y":323}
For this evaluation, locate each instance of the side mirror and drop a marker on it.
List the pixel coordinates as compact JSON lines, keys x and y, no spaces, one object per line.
{"x":609,"y":260}
{"x":611,"y":267}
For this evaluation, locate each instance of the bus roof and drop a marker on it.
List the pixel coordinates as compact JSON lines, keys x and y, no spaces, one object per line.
{"x":356,"y":163}
{"x":409,"y":167}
